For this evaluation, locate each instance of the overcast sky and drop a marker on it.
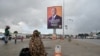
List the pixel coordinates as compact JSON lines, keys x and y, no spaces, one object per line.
{"x":26,"y":15}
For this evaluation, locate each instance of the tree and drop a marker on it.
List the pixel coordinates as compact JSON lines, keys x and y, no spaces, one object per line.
{"x":15,"y":32}
{"x":98,"y":33}
{"x":85,"y":35}
{"x":81,"y":35}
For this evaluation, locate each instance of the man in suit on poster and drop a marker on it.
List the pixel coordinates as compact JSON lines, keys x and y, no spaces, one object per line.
{"x":55,"y":21}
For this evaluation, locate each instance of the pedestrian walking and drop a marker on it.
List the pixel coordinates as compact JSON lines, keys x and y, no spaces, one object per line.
{"x":22,"y":38}
{"x":16,"y":32}
{"x":7,"y":34}
{"x":69,"y":39}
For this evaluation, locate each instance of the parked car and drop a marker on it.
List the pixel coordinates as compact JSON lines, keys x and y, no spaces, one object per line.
{"x":1,"y":37}
{"x":89,"y":37}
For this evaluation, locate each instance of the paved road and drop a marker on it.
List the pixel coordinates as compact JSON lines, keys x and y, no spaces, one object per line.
{"x":93,"y":41}
{"x":74,"y":48}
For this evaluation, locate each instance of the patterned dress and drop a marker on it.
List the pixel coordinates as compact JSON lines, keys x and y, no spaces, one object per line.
{"x":36,"y":47}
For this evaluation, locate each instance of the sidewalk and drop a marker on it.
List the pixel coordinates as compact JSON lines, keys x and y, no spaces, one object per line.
{"x":74,"y":48}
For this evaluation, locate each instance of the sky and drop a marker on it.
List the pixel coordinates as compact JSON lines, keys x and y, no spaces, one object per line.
{"x":81,"y":16}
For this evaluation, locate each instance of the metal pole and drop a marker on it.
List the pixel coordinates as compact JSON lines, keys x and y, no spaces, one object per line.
{"x":66,"y":29}
{"x":54,"y":31}
{"x":63,"y":19}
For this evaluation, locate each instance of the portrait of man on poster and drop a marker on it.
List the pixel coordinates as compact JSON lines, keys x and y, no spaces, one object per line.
{"x":54,"y":21}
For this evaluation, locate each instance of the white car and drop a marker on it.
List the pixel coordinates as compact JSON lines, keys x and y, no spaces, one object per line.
{"x":89,"y":37}
{"x":1,"y":36}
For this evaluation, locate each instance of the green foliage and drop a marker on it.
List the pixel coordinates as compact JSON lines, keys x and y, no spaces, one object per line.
{"x":98,"y":33}
{"x":15,"y":32}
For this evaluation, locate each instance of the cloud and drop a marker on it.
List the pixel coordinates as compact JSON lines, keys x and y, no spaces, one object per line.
{"x":1,"y":30}
{"x":85,"y":15}
{"x":27,"y":15}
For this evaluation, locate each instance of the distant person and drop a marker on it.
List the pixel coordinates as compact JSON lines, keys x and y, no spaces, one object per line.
{"x":55,"y":21}
{"x":36,"y":46}
{"x":22,"y":37}
{"x":7,"y":34}
{"x":16,"y":36}
{"x":69,"y":39}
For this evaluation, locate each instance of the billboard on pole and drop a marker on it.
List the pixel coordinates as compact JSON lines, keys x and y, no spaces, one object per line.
{"x":54,"y":17}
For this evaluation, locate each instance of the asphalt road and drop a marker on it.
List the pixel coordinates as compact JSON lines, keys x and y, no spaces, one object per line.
{"x":92,"y":41}
{"x":73,"y":48}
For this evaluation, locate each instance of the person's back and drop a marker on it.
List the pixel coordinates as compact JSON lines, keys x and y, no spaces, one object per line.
{"x":36,"y":45}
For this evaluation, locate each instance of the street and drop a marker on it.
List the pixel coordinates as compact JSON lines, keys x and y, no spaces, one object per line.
{"x":93,"y":41}
{"x":73,"y":48}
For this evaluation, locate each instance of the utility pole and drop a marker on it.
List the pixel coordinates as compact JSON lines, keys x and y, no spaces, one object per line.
{"x":63,"y":20}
